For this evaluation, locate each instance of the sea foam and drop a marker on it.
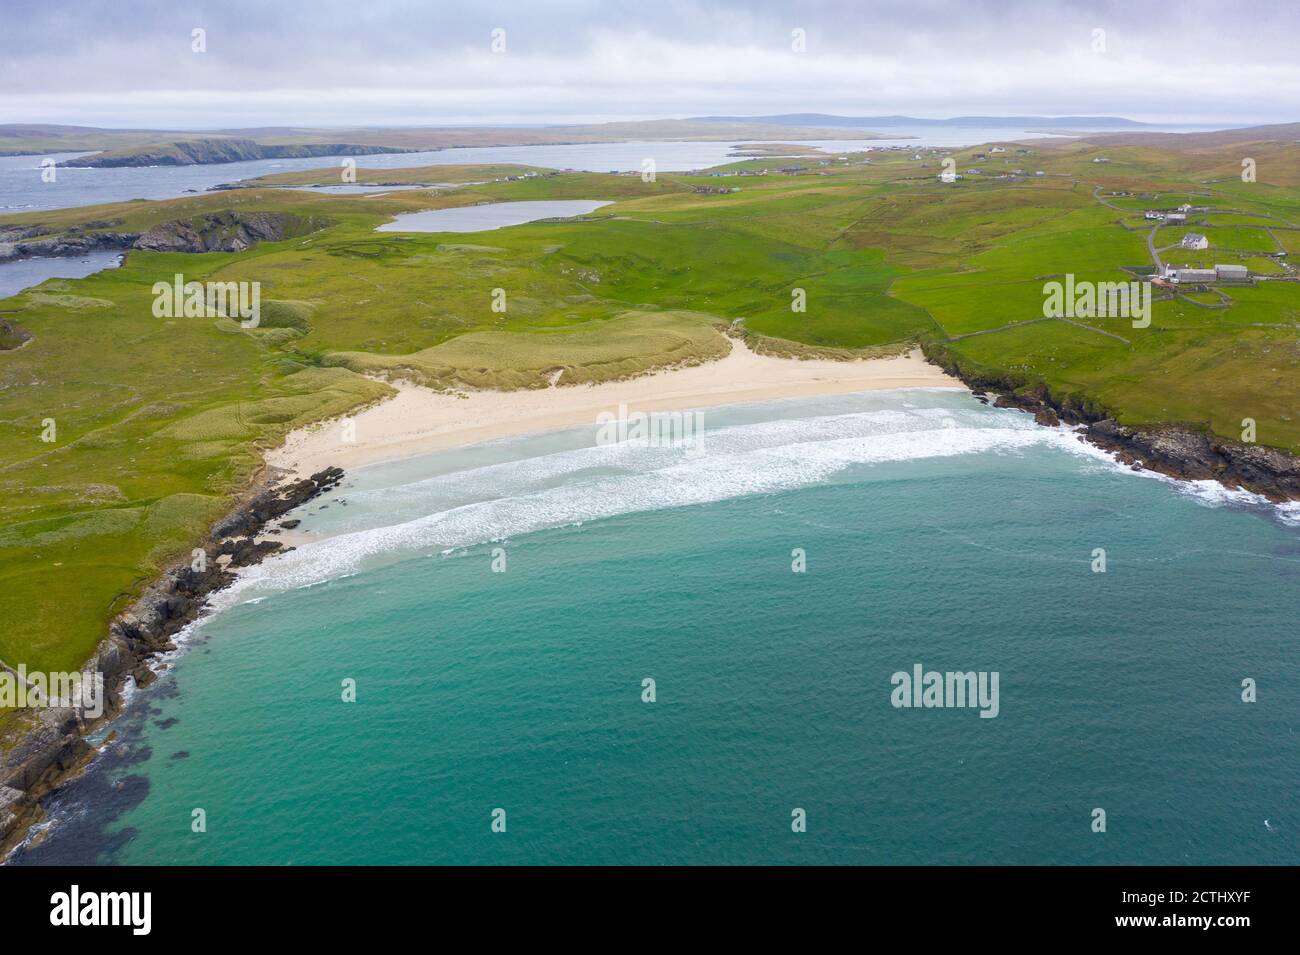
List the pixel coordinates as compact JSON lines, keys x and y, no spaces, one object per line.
{"x":498,"y":501}
{"x":477,"y":505}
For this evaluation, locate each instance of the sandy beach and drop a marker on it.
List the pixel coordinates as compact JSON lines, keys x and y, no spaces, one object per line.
{"x":417,"y":420}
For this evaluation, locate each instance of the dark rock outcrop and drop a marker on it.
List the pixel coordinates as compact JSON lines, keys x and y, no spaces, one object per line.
{"x":54,"y":746}
{"x":222,"y":232}
{"x":50,"y":750}
{"x":72,"y":242}
{"x":1195,"y":456}
{"x":246,"y":551}
{"x":1178,"y":452}
{"x":276,"y":502}
{"x":11,"y":336}
{"x":1043,"y":413}
{"x":179,"y":596}
{"x":216,"y":232}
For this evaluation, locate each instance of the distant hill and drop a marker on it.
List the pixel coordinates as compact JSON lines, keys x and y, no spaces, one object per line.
{"x":135,"y":147}
{"x":885,"y":122}
{"x":192,"y":152}
{"x":1277,"y":132}
{"x":33,"y":138}
{"x":144,"y":147}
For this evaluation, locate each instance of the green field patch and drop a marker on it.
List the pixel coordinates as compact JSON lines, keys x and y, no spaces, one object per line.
{"x":38,"y":298}
{"x":1289,"y":238}
{"x":464,"y":247}
{"x":1240,"y":237}
{"x":1261,"y":265}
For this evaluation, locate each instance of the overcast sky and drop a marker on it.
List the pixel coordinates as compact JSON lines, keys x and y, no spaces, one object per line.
{"x":273,"y":62}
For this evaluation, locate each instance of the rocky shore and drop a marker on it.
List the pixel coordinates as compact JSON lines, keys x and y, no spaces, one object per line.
{"x":36,"y":242}
{"x":55,"y":746}
{"x":215,"y":232}
{"x":1176,"y":452}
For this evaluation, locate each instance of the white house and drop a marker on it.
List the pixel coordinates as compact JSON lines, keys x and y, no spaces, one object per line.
{"x":1194,"y":240}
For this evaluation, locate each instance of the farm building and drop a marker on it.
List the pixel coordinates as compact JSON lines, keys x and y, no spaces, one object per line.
{"x":1187,"y":275}
{"x":1231,"y":273}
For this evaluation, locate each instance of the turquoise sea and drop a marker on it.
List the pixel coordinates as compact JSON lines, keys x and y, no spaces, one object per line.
{"x":936,"y":531}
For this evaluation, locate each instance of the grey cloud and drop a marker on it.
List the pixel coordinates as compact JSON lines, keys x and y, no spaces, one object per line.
{"x":372,"y":61}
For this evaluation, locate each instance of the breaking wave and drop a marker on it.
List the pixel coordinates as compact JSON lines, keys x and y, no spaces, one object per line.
{"x":490,"y":503}
{"x":498,"y":501}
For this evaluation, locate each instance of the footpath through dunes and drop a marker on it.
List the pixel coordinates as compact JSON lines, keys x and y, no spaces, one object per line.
{"x":419,"y":420}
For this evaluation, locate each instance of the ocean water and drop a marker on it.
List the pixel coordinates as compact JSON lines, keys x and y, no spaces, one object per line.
{"x":936,"y":531}
{"x":23,"y":189}
{"x":19,"y":274}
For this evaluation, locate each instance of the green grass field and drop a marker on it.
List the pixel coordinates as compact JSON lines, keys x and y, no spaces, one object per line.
{"x":161,"y":422}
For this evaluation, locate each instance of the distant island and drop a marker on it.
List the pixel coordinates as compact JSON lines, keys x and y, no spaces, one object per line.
{"x":142,"y":147}
{"x":138,"y":147}
{"x":193,"y":152}
{"x":888,"y":122}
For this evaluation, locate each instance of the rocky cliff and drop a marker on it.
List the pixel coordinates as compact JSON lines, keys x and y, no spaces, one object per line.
{"x":1178,"y":452}
{"x":223,"y":232}
{"x":215,"y":232}
{"x":21,"y":243}
{"x":53,"y":745}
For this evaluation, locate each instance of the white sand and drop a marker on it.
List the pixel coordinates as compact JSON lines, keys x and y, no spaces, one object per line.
{"x":418,"y":420}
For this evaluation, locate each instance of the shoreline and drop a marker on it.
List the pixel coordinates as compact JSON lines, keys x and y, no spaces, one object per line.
{"x":419,"y":420}
{"x":55,"y":749}
{"x":1176,"y":451}
{"x":307,"y":464}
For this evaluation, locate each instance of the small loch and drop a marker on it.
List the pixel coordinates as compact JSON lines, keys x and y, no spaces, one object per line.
{"x":493,"y":215}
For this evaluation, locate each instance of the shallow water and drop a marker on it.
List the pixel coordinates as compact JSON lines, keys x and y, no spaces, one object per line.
{"x":935,"y":531}
{"x":489,"y":215}
{"x":20,"y":274}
